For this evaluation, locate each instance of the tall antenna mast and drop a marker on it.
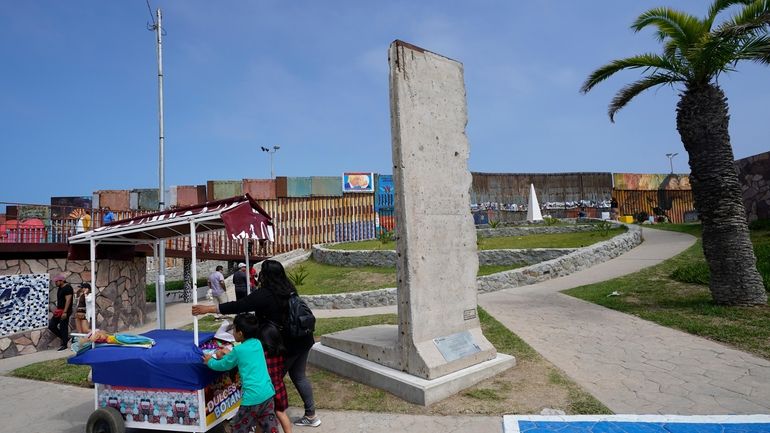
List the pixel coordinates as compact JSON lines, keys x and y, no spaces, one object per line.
{"x":161,"y":285}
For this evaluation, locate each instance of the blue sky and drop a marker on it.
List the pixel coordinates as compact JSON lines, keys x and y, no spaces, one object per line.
{"x":78,"y":103}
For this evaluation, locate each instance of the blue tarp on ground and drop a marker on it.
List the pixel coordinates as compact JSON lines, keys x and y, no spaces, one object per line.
{"x":173,"y":363}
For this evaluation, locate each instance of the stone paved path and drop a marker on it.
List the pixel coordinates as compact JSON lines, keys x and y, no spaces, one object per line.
{"x":629,"y":364}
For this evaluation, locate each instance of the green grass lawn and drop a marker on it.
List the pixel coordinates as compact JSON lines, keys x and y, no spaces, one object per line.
{"x":327,"y":279}
{"x":654,"y":294}
{"x":553,"y":240}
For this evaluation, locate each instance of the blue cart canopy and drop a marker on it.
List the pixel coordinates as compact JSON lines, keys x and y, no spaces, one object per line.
{"x":173,"y":363}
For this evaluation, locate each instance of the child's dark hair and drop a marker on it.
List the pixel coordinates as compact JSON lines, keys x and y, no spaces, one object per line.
{"x":247,"y":324}
{"x":270,"y":337}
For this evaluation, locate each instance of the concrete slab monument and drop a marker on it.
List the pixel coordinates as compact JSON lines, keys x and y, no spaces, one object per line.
{"x":437,"y":348}
{"x":533,"y":206}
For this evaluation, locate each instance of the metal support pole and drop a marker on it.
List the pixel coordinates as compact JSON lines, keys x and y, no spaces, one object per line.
{"x":94,"y":290}
{"x":248,"y":269}
{"x":194,"y":271}
{"x":161,"y":285}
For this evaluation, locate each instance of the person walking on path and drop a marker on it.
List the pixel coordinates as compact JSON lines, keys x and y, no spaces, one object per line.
{"x":270,"y":303}
{"x":241,"y":282}
{"x":59,"y":324}
{"x":217,"y":285}
{"x":257,"y":407}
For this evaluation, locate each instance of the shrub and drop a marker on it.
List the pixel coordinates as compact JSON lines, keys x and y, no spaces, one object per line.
{"x":695,"y":273}
{"x":763,"y":224}
{"x":603,"y":227}
{"x":551,"y":221}
{"x":386,"y":236}
{"x":149,"y":290}
{"x":298,"y":275}
{"x":494,"y":224}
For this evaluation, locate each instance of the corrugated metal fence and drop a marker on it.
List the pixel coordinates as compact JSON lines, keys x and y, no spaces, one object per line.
{"x":302,"y":222}
{"x":675,"y":203}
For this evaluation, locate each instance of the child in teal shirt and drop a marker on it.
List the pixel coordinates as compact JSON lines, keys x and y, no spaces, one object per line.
{"x":257,"y":406}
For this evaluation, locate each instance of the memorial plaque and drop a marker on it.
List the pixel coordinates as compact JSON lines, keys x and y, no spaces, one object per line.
{"x":469,"y":314}
{"x":456,"y":346}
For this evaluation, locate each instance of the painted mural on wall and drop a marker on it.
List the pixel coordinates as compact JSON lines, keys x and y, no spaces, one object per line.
{"x":651,"y":182}
{"x":23,"y":302}
{"x":64,"y":207}
{"x":358,"y":182}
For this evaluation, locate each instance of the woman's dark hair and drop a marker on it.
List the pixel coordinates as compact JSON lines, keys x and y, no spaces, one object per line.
{"x":271,"y":339}
{"x":247,"y":324}
{"x":273,"y":277}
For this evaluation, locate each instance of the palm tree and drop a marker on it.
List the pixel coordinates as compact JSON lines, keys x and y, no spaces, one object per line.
{"x":695,"y":53}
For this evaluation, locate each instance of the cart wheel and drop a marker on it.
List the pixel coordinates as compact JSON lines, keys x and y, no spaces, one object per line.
{"x":223,"y":427}
{"x":106,"y":420}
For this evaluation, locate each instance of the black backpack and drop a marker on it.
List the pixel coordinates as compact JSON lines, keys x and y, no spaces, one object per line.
{"x":301,"y":321}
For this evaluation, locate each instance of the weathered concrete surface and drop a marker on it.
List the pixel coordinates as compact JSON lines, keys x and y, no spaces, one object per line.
{"x":411,"y":388}
{"x":629,"y":364}
{"x":437,"y":240}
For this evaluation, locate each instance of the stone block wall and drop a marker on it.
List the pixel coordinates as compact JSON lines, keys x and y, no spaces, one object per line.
{"x":754,"y":174}
{"x":120,"y":299}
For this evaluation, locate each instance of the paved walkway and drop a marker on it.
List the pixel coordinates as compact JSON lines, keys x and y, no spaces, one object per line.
{"x":629,"y":364}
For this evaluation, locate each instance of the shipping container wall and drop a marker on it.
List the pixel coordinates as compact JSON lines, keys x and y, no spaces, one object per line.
{"x":509,"y":188}
{"x":298,"y":186}
{"x":326,"y":186}
{"x":281,"y":187}
{"x":114,"y":199}
{"x":675,"y":204}
{"x":259,"y":189}
{"x":221,"y":189}
{"x":147,"y":199}
{"x":189,"y":195}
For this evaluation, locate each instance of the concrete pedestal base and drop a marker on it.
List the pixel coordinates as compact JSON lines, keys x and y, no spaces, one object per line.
{"x":408,"y":387}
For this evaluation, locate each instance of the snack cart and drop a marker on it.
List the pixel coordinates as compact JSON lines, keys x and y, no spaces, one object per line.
{"x":165,"y":387}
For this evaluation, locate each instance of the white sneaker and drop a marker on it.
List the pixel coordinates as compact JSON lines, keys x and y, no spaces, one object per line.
{"x":308,"y":422}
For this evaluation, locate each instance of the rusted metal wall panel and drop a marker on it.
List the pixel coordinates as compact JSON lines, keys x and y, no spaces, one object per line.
{"x":675,"y":203}
{"x":114,"y":199}
{"x":188,"y":195}
{"x":326,"y":186}
{"x":259,"y":189}
{"x":281,"y":187}
{"x":509,"y":188}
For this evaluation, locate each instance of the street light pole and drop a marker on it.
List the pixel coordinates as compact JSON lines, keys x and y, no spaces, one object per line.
{"x":161,"y":283}
{"x":671,"y":160}
{"x":271,"y":152}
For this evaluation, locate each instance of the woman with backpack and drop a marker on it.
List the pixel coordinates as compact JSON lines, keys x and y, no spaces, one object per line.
{"x":270,"y":303}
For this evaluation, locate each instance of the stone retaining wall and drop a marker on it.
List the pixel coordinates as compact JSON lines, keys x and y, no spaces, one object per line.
{"x":525,"y":230}
{"x":387,"y":258}
{"x":564,"y":265}
{"x":120,"y":300}
{"x":754,"y":174}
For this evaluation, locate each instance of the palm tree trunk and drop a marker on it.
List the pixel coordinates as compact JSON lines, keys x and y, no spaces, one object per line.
{"x":702,"y":121}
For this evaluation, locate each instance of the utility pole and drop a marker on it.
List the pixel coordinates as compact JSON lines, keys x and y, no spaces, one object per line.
{"x":161,"y":285}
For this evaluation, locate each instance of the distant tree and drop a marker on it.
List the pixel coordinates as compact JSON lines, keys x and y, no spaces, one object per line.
{"x":695,"y":53}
